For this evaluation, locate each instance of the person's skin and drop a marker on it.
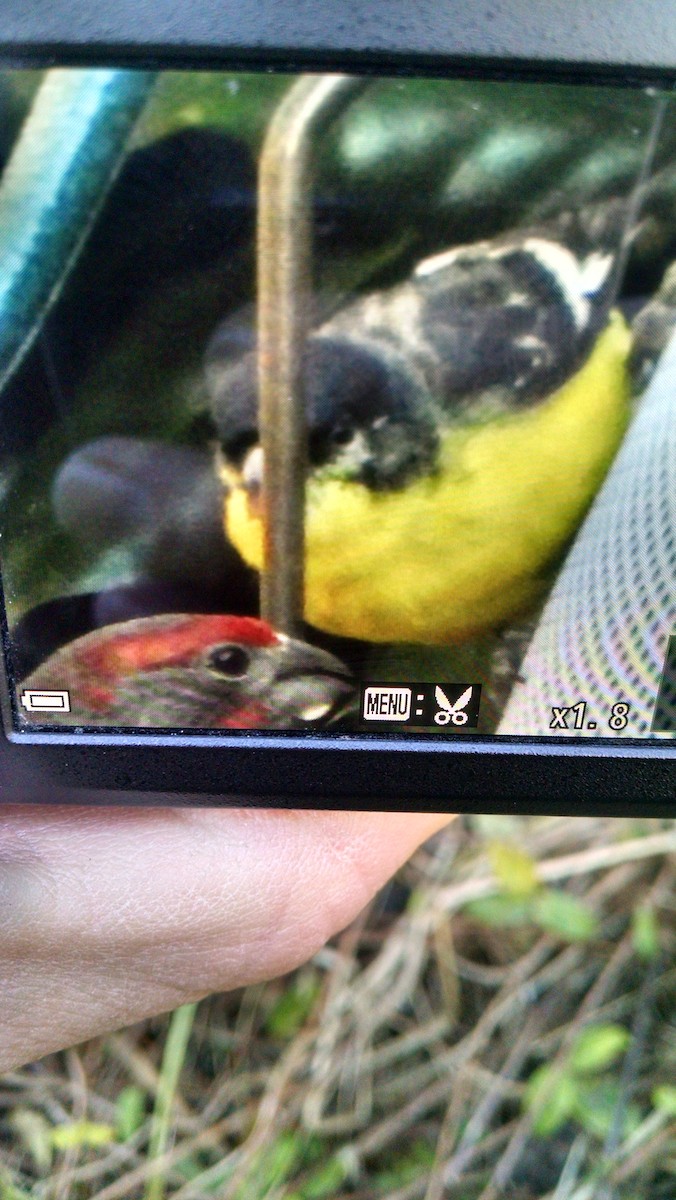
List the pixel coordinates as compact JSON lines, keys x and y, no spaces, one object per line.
{"x":109,"y":915}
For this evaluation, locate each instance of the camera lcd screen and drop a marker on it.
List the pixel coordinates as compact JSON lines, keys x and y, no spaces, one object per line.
{"x":443,"y":307}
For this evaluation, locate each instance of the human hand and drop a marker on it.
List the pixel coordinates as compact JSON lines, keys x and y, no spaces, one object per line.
{"x":110,"y":915}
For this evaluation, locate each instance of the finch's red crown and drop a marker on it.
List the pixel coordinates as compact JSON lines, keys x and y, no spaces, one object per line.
{"x":174,"y":645}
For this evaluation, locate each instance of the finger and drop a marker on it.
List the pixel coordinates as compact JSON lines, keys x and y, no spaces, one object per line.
{"x":111,"y":915}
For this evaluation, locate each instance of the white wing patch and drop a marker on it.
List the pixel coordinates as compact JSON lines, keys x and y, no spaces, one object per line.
{"x":437,"y":262}
{"x":595,"y":271}
{"x":576,"y":280}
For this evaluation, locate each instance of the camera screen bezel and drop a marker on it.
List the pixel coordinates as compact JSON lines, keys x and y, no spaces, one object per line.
{"x":364,"y":771}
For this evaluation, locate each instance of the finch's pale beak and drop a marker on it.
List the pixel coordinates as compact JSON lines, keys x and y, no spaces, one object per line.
{"x":252,"y":480}
{"x":249,"y":478}
{"x":316,"y":681}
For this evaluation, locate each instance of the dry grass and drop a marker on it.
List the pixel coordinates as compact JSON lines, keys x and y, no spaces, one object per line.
{"x":396,"y":1064}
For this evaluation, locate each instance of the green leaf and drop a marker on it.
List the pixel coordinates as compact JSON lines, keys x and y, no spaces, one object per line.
{"x":664,"y":1098}
{"x":502,"y":911}
{"x":563,"y":915}
{"x":551,"y":1095}
{"x":273,"y":1165}
{"x":513,"y":868}
{"x":417,"y":900}
{"x":190,"y":1167}
{"x":413,"y":1164}
{"x":216,"y":1179}
{"x":280,"y":1159}
{"x":295,"y":1004}
{"x":81,"y":1134}
{"x":130,"y":1112}
{"x":645,"y":932}
{"x":173,"y":1060}
{"x":325,"y":1181}
{"x":597,"y":1104}
{"x":35,"y":1133}
{"x":597,"y":1048}
{"x":8,"y":1191}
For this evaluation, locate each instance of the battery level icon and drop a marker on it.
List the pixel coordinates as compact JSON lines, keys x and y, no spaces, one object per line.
{"x":39,"y":700}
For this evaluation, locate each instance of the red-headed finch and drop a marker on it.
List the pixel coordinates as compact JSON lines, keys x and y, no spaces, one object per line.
{"x":191,"y":671}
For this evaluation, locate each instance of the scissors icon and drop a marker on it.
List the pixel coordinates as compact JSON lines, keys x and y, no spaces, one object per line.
{"x":451,"y":712}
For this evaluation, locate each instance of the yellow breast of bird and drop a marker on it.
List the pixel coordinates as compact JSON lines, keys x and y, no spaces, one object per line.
{"x":465,"y":549}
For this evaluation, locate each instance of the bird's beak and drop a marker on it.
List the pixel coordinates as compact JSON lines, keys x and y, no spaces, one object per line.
{"x":249,"y":478}
{"x":318,"y":677}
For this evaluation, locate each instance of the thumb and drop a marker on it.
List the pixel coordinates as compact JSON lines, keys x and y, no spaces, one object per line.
{"x":111,"y":915}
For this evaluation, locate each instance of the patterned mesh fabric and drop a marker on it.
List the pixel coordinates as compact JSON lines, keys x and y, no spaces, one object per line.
{"x":605,"y":629}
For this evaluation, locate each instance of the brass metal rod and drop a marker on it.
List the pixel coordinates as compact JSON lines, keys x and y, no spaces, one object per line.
{"x":285,"y":306}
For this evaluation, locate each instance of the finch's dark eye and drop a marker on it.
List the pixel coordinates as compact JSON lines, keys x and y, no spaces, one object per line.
{"x":232,"y":661}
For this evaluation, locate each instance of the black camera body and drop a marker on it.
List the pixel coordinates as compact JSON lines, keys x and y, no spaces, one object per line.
{"x":416,"y":263}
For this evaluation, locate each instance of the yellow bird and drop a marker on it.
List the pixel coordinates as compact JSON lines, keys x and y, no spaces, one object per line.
{"x":459,"y":425}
